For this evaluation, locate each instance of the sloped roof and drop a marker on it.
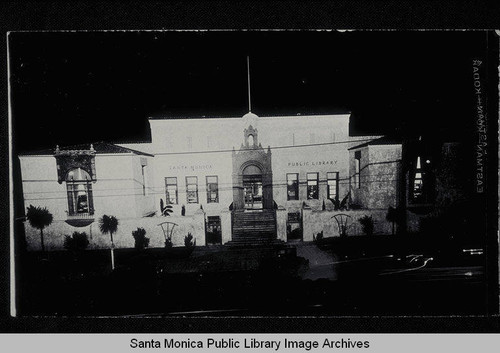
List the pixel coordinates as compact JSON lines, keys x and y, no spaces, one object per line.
{"x":384,"y":140}
{"x":100,"y":147}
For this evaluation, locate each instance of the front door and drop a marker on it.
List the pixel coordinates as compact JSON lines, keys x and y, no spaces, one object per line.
{"x":252,"y":185}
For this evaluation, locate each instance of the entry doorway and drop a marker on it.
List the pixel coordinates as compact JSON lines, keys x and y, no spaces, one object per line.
{"x":252,"y":186}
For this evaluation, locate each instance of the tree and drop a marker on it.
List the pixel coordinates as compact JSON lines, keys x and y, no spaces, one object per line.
{"x":39,"y":218}
{"x":109,"y":224}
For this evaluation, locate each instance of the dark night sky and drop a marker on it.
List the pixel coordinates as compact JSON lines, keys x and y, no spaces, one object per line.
{"x":79,"y":87}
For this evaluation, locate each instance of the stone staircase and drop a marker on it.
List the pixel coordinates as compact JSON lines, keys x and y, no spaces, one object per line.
{"x":254,"y":228}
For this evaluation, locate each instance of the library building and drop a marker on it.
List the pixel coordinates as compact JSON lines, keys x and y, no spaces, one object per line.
{"x":224,"y":180}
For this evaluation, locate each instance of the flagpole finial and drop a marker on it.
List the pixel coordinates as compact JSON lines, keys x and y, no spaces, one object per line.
{"x":248,"y":80}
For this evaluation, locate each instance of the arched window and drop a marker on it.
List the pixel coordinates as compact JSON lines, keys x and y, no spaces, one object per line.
{"x":79,"y":188}
{"x":250,"y":141}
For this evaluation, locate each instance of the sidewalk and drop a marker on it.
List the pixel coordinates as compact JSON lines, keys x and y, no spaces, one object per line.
{"x":320,"y":262}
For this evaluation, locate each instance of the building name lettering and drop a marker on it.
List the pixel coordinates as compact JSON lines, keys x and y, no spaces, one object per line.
{"x":192,"y":167}
{"x":311,"y":163}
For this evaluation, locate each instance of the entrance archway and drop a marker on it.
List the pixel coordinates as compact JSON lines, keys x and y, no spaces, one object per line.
{"x":252,"y":187}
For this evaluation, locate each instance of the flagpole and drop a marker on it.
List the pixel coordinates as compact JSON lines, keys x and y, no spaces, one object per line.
{"x":248,"y":80}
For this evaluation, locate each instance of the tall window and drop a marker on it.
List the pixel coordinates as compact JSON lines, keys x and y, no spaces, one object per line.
{"x":422,"y":181}
{"x":357,"y":161}
{"x":418,"y":182}
{"x":292,"y":186}
{"x":212,"y":189}
{"x":79,"y":188}
{"x":332,"y":185}
{"x":312,"y":186}
{"x":171,"y":190}
{"x":192,"y":189}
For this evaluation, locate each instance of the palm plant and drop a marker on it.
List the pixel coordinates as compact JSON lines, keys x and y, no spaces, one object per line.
{"x":367,"y":224}
{"x":39,"y":218}
{"x":165,"y":210}
{"x":109,"y":224}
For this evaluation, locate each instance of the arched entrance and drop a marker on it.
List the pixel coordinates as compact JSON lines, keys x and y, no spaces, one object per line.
{"x":252,"y":187}
{"x":253,"y":218}
{"x":252,"y":174}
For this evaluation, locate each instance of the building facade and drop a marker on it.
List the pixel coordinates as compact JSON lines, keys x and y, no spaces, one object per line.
{"x":226,"y":180}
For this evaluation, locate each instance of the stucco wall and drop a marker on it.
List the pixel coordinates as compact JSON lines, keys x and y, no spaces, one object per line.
{"x":40,"y":186}
{"x":144,"y":197}
{"x":200,"y":165}
{"x":117,"y":192}
{"x":172,"y":138}
{"x":195,"y":134}
{"x":329,"y":158}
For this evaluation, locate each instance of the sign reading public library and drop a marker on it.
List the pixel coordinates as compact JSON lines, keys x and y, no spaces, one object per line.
{"x":311,"y":163}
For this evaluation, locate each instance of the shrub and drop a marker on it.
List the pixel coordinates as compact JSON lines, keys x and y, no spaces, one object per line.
{"x":141,"y":241}
{"x":188,"y":241}
{"x":77,"y":241}
{"x":318,"y":237}
{"x":168,"y":243}
{"x":367,"y":224}
{"x":336,"y":204}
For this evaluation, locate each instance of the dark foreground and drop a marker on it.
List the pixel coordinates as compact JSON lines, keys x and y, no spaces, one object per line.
{"x":332,"y":279}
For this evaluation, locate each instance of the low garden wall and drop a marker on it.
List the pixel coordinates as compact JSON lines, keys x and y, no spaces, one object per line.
{"x":315,"y":222}
{"x":55,"y":233}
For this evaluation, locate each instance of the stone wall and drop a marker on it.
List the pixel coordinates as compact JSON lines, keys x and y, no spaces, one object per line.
{"x":380,"y":173}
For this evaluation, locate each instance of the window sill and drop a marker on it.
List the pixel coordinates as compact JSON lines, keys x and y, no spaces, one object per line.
{"x":80,"y":219}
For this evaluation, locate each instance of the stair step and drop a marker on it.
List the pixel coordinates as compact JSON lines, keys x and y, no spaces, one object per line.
{"x":253,"y":228}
